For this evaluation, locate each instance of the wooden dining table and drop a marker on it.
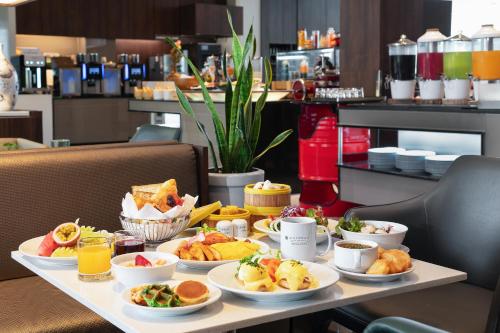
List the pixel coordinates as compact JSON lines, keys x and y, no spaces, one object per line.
{"x":231,"y":312}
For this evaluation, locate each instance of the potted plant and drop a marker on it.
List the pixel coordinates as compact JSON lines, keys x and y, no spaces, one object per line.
{"x":237,"y":139}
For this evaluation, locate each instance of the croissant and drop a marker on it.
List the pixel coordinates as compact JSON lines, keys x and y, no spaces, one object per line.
{"x":399,"y":261}
{"x":379,"y":267}
{"x":390,"y":262}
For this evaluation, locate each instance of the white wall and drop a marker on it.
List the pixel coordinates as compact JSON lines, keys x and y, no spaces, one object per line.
{"x":468,"y":15}
{"x":8,"y":30}
{"x":65,"y":46}
{"x":251,"y":15}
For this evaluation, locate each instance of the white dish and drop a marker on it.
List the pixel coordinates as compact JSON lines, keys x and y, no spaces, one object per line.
{"x":261,"y":226}
{"x":171,"y":246}
{"x":386,"y":150}
{"x":29,"y":248}
{"x":442,"y":158}
{"x":416,"y":153}
{"x":362,"y":277}
{"x":224,"y":278}
{"x":132,"y":276}
{"x":214,"y":296}
{"x":389,"y":241}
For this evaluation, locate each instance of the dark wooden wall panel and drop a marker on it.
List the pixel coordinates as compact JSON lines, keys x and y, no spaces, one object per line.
{"x":361,"y":50}
{"x":29,"y":128}
{"x":368,"y":26}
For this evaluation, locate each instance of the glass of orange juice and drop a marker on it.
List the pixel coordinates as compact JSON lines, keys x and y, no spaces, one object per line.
{"x":94,"y":258}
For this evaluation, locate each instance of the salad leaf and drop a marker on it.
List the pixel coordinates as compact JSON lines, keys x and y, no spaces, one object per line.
{"x":354,"y":224}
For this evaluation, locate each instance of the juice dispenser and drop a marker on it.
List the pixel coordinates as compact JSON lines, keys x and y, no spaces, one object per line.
{"x":430,"y":64}
{"x":403,"y":58}
{"x":486,"y":65}
{"x":457,"y":63}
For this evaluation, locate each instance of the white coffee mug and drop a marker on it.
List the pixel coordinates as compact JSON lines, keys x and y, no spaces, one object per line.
{"x":298,"y":238}
{"x":355,"y":260}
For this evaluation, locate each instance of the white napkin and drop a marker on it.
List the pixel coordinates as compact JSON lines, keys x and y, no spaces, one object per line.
{"x":148,"y":212}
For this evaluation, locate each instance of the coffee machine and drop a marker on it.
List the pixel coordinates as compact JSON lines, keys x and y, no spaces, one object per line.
{"x":111,"y":82}
{"x":31,"y":70}
{"x":137,"y":74}
{"x":67,"y":77}
{"x":93,"y":75}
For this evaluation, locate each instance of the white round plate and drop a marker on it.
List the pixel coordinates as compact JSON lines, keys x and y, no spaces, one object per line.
{"x":214,"y":296}
{"x":386,"y":150}
{"x":172,"y":245}
{"x":29,"y":248}
{"x":261,"y":226}
{"x":223,"y":277}
{"x":370,"y":277}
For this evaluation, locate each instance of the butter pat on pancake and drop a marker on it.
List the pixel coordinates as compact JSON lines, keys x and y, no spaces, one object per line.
{"x":235,"y":250}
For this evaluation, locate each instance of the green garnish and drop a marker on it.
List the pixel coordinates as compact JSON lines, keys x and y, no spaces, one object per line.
{"x":11,"y":146}
{"x":160,"y":296}
{"x":205,"y":229}
{"x":354,"y":224}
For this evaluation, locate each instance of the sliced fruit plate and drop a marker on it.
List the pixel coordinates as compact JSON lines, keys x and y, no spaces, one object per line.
{"x":59,"y":245}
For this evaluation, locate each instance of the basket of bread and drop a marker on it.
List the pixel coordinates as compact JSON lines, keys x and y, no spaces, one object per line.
{"x":156,"y":210}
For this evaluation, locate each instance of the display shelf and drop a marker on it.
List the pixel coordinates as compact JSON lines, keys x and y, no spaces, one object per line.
{"x":363,"y":165}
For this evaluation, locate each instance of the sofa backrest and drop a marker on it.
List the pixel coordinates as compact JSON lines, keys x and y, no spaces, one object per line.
{"x":43,"y":188}
{"x":463,"y":218}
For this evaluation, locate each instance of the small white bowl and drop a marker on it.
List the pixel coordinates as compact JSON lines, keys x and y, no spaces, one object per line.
{"x":386,"y":241}
{"x":130,"y":276}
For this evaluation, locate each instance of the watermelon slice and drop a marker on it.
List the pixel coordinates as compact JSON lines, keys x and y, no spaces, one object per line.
{"x":47,"y":246}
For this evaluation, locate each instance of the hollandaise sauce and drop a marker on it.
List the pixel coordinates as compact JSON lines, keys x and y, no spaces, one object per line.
{"x":296,"y":275}
{"x":255,"y":277}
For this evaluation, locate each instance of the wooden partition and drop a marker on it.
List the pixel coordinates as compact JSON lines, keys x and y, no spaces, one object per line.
{"x":368,"y":26}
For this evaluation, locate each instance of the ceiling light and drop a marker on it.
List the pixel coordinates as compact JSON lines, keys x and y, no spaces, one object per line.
{"x":12,"y":3}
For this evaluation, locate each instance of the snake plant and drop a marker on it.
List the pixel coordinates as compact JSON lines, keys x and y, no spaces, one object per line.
{"x":237,"y":139}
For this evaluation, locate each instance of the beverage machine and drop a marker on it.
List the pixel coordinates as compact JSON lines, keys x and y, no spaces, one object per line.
{"x":403,"y":61}
{"x":92,"y":76}
{"x":430,"y":65}
{"x":137,"y":74}
{"x":31,"y":70}
{"x":457,"y":65}
{"x":486,"y":66}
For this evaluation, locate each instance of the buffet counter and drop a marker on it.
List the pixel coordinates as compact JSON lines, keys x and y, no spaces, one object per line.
{"x":445,"y":130}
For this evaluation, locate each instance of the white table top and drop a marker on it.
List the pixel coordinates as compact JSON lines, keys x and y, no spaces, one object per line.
{"x":231,"y":312}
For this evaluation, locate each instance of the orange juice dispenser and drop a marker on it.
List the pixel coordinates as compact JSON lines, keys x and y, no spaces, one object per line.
{"x":486,"y":66}
{"x":430,"y":65}
{"x":457,"y":63}
{"x":403,"y":59}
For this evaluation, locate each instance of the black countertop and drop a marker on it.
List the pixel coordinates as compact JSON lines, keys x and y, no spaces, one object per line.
{"x":383,"y":106}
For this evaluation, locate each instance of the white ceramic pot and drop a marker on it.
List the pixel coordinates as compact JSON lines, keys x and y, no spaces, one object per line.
{"x":403,"y":89}
{"x":9,"y":83}
{"x":228,"y":188}
{"x":431,"y":89}
{"x":456,"y":89}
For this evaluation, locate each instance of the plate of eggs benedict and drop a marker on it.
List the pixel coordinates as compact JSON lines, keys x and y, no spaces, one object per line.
{"x":270,"y":279}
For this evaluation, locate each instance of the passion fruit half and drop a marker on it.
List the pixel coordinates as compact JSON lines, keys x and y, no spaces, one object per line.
{"x":66,"y":234}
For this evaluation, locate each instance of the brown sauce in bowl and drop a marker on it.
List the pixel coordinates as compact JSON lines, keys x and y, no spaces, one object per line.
{"x":356,"y":246}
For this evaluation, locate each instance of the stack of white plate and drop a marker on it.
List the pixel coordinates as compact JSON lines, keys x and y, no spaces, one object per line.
{"x":412,"y":161}
{"x":384,"y":157}
{"x":438,"y":164}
